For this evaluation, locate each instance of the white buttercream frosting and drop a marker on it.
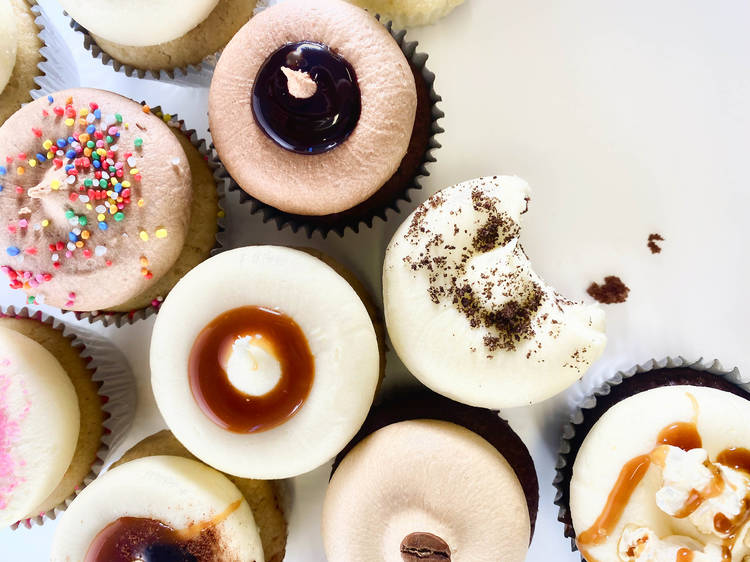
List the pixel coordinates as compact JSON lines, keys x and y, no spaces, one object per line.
{"x":178,"y":492}
{"x":655,"y":510}
{"x":465,"y":310}
{"x":252,"y":366}
{"x":139,"y":23}
{"x":8,"y":42}
{"x":340,"y":336}
{"x":39,"y":425}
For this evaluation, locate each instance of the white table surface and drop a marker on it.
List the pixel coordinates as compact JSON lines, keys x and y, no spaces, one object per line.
{"x":625,"y":117}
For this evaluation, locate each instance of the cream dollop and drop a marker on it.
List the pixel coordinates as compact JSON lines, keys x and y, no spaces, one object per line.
{"x":252,"y":366}
{"x":641,"y":544}
{"x":467,"y":313}
{"x":8,"y":42}
{"x":300,"y":84}
{"x":139,"y":23}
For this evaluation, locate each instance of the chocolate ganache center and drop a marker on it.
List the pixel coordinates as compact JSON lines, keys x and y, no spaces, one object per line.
{"x":424,"y":547}
{"x":306,"y":98}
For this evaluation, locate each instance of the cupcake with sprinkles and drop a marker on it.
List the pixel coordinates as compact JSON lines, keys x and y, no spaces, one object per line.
{"x":78,"y":381}
{"x":105,"y":206}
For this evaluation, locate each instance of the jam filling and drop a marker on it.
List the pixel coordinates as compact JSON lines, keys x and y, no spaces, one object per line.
{"x":227,"y":406}
{"x":309,"y":124}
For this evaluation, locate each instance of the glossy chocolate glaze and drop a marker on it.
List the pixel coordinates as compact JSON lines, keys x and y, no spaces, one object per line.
{"x":220,"y":400}
{"x":310,"y":125}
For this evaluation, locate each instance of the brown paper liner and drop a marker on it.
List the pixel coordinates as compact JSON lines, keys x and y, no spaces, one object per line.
{"x":406,"y":178}
{"x":652,"y":374}
{"x":118,"y":319}
{"x":116,"y":388}
{"x":421,"y":403}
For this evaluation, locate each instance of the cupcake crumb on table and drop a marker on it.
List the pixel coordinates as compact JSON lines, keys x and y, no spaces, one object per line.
{"x":612,"y":291}
{"x":652,"y":243}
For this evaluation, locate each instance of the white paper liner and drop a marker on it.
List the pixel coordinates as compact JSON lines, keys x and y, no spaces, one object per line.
{"x":222,"y":183}
{"x":59,"y":71}
{"x":190,"y":75}
{"x":111,"y":369}
{"x":588,"y":401}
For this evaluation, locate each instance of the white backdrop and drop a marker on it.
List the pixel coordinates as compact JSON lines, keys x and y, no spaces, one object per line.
{"x":626,"y":118}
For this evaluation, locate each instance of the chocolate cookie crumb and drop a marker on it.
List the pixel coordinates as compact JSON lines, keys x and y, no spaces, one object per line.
{"x":652,"y":243}
{"x":612,"y":291}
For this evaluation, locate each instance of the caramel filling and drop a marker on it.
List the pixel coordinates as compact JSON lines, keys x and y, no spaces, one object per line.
{"x":138,"y":538}
{"x":225,"y":404}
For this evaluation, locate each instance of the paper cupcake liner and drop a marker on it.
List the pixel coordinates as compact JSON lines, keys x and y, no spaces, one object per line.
{"x":117,"y":389}
{"x":220,"y":176}
{"x":731,"y":381}
{"x":189,"y":75}
{"x":403,"y":404}
{"x":58,"y":71}
{"x":373,"y":207}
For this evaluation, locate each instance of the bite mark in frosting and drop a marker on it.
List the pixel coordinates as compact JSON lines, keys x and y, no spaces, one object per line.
{"x":459,"y":262}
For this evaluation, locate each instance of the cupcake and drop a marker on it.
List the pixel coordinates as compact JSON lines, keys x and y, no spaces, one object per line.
{"x":54,"y":426}
{"x":320,"y":117}
{"x":408,"y":13}
{"x":105,"y":205}
{"x":468,"y":315}
{"x":430,"y":479}
{"x":656,"y":466}
{"x":158,"y":508}
{"x":154,"y":36}
{"x":264,"y":362}
{"x":19,"y":55}
{"x":263,"y":496}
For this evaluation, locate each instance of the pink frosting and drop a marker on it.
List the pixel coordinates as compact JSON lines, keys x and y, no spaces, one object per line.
{"x":10,"y":431}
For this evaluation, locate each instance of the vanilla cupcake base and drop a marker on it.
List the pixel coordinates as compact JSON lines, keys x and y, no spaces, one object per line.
{"x":106,"y":394}
{"x":189,"y":59}
{"x":28,"y":56}
{"x":177,"y":492}
{"x":263,"y":496}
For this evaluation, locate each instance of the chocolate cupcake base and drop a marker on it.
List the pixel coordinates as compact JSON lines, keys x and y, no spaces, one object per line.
{"x":624,"y":384}
{"x":406,"y":178}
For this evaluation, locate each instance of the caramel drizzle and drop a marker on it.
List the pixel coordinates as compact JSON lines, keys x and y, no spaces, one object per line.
{"x":192,"y":531}
{"x":685,"y":436}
